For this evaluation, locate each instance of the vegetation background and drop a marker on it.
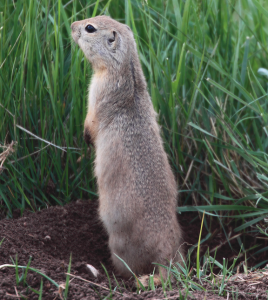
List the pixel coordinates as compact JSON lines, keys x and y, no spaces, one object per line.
{"x":201,"y":60}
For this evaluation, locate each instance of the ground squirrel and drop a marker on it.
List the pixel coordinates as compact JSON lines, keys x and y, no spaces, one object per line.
{"x":137,"y":189}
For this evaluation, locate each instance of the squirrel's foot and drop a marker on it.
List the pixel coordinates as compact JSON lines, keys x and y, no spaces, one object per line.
{"x":145,"y":280}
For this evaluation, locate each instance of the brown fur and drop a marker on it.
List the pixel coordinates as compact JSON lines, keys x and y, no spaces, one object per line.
{"x":137,"y":188}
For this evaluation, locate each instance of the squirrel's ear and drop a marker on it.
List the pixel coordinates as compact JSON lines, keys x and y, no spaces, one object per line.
{"x":128,"y":27}
{"x":112,"y":38}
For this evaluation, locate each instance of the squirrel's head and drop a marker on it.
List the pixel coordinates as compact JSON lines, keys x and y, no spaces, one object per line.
{"x":104,"y":41}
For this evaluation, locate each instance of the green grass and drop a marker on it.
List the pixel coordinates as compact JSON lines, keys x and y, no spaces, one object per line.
{"x":188,"y":281}
{"x":200,"y":59}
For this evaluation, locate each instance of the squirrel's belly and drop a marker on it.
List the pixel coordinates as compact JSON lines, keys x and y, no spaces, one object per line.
{"x":116,"y":181}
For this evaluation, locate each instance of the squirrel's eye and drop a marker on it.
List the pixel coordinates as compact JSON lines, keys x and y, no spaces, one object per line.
{"x":90,"y":29}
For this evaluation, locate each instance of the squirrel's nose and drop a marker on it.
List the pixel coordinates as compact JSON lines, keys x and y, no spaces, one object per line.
{"x":74,"y":25}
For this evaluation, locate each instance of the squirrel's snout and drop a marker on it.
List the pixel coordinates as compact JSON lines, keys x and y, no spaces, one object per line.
{"x":75,"y":31}
{"x":74,"y":26}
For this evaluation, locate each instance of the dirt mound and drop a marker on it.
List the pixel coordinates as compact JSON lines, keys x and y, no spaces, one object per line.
{"x":50,"y":236}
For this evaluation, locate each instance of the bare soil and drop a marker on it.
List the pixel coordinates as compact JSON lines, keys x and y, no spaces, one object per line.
{"x":50,"y":236}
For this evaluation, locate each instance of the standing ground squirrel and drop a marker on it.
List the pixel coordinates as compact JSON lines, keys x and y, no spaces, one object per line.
{"x":137,"y":189}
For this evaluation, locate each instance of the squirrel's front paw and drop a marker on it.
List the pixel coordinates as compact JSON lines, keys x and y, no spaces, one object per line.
{"x":87,"y":138}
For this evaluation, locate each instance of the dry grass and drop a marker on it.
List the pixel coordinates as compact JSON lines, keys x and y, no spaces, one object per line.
{"x":8,"y":149}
